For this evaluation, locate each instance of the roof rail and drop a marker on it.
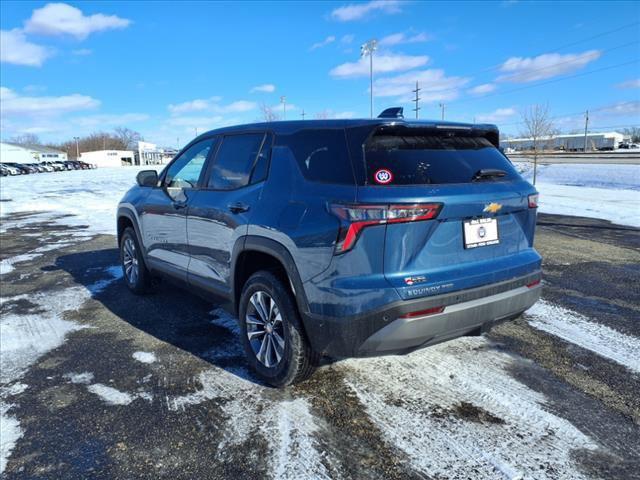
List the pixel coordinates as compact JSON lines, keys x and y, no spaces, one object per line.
{"x":393,"y":112}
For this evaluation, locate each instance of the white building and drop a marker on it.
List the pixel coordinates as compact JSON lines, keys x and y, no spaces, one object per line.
{"x":571,"y":142}
{"x":14,"y":153}
{"x":149,"y":154}
{"x":109,"y":158}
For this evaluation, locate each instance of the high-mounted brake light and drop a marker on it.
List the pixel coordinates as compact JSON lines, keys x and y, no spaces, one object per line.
{"x":354,"y":218}
{"x":533,"y":201}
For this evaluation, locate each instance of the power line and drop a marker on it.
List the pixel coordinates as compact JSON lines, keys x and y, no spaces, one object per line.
{"x":582,"y":74}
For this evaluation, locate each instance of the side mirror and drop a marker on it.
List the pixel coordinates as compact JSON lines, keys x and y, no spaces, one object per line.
{"x":147,"y":178}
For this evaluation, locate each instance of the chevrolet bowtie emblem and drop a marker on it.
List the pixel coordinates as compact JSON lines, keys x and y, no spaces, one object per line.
{"x":492,"y":207}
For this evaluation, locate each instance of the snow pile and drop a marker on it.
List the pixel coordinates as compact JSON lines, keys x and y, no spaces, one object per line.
{"x":609,"y":192}
{"x":145,"y":357}
{"x":579,"y":330}
{"x":90,"y":196}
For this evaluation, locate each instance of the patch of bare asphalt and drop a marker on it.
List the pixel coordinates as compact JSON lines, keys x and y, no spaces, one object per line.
{"x":349,"y":434}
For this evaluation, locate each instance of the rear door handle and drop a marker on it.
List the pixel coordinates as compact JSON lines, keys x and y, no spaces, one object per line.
{"x":238,"y":207}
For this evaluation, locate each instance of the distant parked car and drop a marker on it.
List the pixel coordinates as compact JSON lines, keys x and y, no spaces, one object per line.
{"x":3,"y":171}
{"x":21,"y":168}
{"x":11,"y":169}
{"x":47,"y":168}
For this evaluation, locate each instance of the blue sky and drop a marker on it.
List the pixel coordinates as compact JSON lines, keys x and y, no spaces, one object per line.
{"x":168,"y":68}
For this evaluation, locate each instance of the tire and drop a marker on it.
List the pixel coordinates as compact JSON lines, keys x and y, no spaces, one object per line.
{"x":297,"y":360}
{"x":135,"y":272}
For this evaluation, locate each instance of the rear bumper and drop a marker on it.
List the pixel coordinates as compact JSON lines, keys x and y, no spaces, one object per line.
{"x":383,"y":332}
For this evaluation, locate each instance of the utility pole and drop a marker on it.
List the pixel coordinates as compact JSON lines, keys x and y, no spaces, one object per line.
{"x":283,"y":101}
{"x":302,"y":114}
{"x":196,"y":131}
{"x":442,"y":105}
{"x":77,"y":147}
{"x":586,"y":126}
{"x":367,"y":49}
{"x":417,"y":99}
{"x":177,"y":143}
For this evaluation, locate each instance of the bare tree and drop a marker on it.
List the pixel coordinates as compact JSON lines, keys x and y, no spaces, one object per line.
{"x":633,"y":133}
{"x":128,"y":138}
{"x":25,"y":139}
{"x":268,"y":114}
{"x":537,"y":126}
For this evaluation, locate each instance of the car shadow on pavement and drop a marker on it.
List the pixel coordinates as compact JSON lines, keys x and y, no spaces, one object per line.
{"x":169,"y":313}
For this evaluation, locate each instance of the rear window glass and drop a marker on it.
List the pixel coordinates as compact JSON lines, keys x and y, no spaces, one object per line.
{"x":441,"y":157}
{"x":322,"y":155}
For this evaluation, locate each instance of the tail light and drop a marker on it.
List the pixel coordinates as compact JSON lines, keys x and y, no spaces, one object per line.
{"x":355,"y":218}
{"x":535,"y":283}
{"x":533,"y":201}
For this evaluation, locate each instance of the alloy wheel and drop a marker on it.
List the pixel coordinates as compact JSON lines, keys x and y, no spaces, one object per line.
{"x":130,"y":261}
{"x":265,"y":329}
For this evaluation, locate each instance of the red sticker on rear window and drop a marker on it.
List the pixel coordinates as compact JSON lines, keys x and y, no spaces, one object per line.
{"x":383,"y":176}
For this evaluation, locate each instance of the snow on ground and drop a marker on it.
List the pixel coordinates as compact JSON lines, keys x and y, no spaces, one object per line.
{"x":609,"y":192}
{"x":145,"y":357}
{"x":25,"y":338}
{"x":579,"y":330}
{"x":455,"y":407}
{"x":91,"y":196}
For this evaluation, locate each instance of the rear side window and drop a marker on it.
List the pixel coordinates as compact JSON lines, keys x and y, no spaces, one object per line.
{"x":435,"y":157}
{"x":322,"y":155}
{"x":234,"y":161}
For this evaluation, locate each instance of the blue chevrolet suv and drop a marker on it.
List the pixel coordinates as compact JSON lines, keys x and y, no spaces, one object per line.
{"x":339,"y":238}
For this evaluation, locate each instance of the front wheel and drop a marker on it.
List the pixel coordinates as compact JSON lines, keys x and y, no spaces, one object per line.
{"x":272,"y":333}
{"x":135,"y":272}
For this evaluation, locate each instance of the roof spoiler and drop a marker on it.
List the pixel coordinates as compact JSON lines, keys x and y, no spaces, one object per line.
{"x":393,"y":112}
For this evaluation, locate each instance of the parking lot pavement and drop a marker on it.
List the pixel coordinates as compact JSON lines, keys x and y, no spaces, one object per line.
{"x":96,"y":382}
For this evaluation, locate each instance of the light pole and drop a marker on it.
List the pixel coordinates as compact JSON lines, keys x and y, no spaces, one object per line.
{"x":442,"y":108}
{"x":283,"y":101}
{"x":77,"y":148}
{"x":367,"y":49}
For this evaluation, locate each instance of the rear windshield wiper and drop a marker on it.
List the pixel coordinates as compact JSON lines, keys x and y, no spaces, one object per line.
{"x":488,"y":173}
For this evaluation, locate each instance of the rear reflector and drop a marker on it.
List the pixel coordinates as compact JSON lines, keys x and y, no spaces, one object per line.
{"x":354,"y":218}
{"x":533,"y":201}
{"x":534,"y":283}
{"x":423,"y":313}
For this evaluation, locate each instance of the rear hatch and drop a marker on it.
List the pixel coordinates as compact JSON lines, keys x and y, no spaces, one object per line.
{"x":483,"y":230}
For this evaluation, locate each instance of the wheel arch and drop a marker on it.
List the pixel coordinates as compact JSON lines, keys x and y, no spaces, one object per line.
{"x":253,"y":253}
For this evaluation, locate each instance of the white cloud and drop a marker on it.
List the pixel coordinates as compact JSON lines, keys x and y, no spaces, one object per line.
{"x":63,"y":19}
{"x":358,"y":11}
{"x":621,"y":108}
{"x":348,"y":39}
{"x":384,"y":63}
{"x":14,"y":104}
{"x":323,"y":43}
{"x":530,"y":69}
{"x":497,"y":116}
{"x":400,"y":38}
{"x":16,"y":49}
{"x":482,"y":89}
{"x":266,"y":88}
{"x":341,"y":115}
{"x":211,"y":105}
{"x":82,"y":52}
{"x":434,"y":85}
{"x":635,"y":83}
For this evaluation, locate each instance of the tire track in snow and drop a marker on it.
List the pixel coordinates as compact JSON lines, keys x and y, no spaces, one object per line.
{"x":579,"y":330}
{"x":286,"y":423}
{"x":417,"y":403}
{"x":26,"y":338}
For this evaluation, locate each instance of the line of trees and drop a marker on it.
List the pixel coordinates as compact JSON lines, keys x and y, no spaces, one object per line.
{"x":120,"y":138}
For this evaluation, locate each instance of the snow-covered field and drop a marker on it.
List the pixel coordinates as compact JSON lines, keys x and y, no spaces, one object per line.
{"x":608,"y":192}
{"x":88,"y":197}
